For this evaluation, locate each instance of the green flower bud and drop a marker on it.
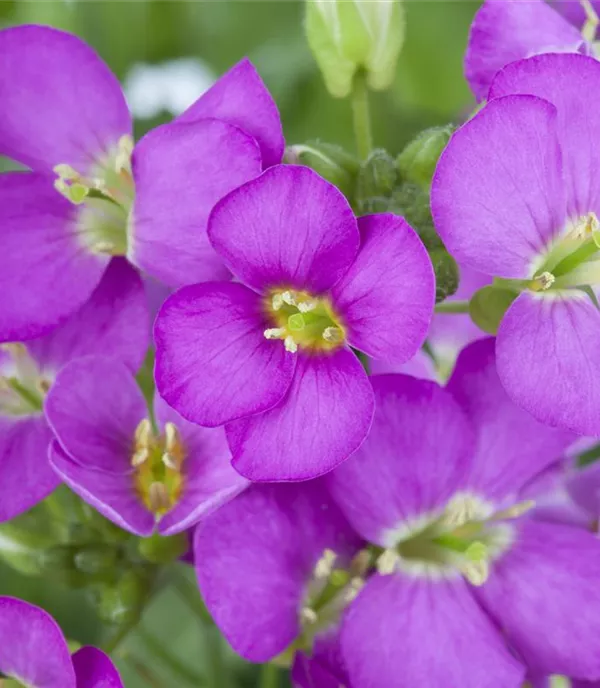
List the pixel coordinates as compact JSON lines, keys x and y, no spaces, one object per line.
{"x":412,"y":202}
{"x":20,"y":546}
{"x":163,"y":550}
{"x":446,"y":274}
{"x":95,"y":559}
{"x":488,"y":306}
{"x":417,"y":161}
{"x":375,"y":183}
{"x":332,"y":162}
{"x":348,"y":35}
{"x":121,"y":604}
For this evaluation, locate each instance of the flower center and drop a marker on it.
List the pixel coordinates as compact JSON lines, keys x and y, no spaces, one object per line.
{"x":158,"y":462}
{"x":22,"y":386}
{"x":465,"y":539}
{"x":303,"y":321}
{"x":104,"y":196}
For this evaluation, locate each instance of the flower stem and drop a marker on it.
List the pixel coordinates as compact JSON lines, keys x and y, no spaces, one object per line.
{"x":269,"y":676}
{"x":218,"y":672}
{"x":361,"y":116}
{"x":177,"y":667}
{"x":452,"y":307}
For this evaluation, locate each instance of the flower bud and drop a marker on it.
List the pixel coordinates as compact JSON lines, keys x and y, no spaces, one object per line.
{"x":417,"y":161}
{"x":348,"y":35}
{"x":158,"y":549}
{"x":332,"y":162}
{"x":375,"y":182}
{"x":121,"y":604}
{"x":446,"y":274}
{"x":95,"y":559}
{"x":488,"y":306}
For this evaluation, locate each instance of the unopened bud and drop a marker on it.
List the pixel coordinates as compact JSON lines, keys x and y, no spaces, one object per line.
{"x":418,"y":160}
{"x":332,"y":162}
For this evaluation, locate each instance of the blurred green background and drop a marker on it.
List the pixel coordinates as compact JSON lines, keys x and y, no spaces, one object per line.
{"x":429,"y":89}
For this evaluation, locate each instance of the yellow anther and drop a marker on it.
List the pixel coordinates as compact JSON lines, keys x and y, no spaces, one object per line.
{"x":139,"y":457}
{"x":277,"y":302}
{"x":476,"y":572}
{"x":274,"y":333}
{"x":333,"y":335}
{"x":308,"y":615}
{"x":307,"y":306}
{"x":542,"y":282}
{"x":170,"y":461}
{"x":123,"y":157}
{"x":388,"y":562}
{"x":289,"y":298}
{"x":325,"y":564}
{"x":514,"y":511}
{"x":290,"y":344}
{"x":171,"y":437}
{"x":158,"y":497}
{"x":354,"y":587}
{"x":143,"y":434}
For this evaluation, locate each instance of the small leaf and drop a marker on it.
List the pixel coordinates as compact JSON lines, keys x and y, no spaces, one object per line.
{"x":488,"y":306}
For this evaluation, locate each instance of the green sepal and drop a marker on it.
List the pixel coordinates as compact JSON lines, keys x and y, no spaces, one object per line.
{"x":332,"y":162}
{"x":163,"y":550}
{"x":488,"y":306}
{"x":121,"y":604}
{"x":417,"y":162}
{"x":95,"y":559}
{"x":375,"y":183}
{"x":412,"y":202}
{"x":446,"y":271}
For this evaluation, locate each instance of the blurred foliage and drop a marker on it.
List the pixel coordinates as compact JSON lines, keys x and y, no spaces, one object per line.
{"x":429,"y":90}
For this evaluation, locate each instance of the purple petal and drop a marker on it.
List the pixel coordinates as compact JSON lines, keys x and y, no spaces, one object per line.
{"x":583,"y":486}
{"x":33,"y":649}
{"x":112,"y":494}
{"x":387,"y":296}
{"x":420,"y":366}
{"x":566,"y":81}
{"x":428,"y":633}
{"x":544,"y":594}
{"x":512,"y":447}
{"x":240,"y":98}
{"x":547,"y":361}
{"x":209,"y":478}
{"x":60,"y":102}
{"x":113,"y":322}
{"x":213,"y":363}
{"x":255,"y":556}
{"x":181,"y":171}
{"x":504,"y":31}
{"x":289,"y":227}
{"x":325,"y":417}
{"x":45,"y":272}
{"x":324,"y":668}
{"x":94,"y":669}
{"x":27,"y":477}
{"x":415,"y":457}
{"x":93,"y":408}
{"x":498,"y":196}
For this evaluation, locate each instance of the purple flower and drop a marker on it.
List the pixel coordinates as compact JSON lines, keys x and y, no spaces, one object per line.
{"x":34,"y":651}
{"x":514,"y":197}
{"x":91,"y":195}
{"x":507,"y":30}
{"x":323,"y":667}
{"x":114,"y":320}
{"x":141,"y":471}
{"x":270,"y":356}
{"x":440,"y":499}
{"x":265,"y":562}
{"x":573,"y":10}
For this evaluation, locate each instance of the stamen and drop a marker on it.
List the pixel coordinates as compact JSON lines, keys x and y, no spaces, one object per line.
{"x":461,"y":510}
{"x":307,"y":306}
{"x":123,"y":157}
{"x":388,"y":562}
{"x":170,"y":461}
{"x":140,"y":457}
{"x":325,"y":564}
{"x":333,"y":335}
{"x":143,"y":433}
{"x":288,"y":298}
{"x":290,"y":344}
{"x":308,"y":615}
{"x":542,"y":282}
{"x":354,"y":587}
{"x":476,"y":572}
{"x":277,"y":302}
{"x":171,"y":437}
{"x":514,"y":511}
{"x":274,"y":333}
{"x":158,"y":497}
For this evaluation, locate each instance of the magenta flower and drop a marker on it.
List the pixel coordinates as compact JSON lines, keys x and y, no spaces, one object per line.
{"x":264,"y":562}
{"x":270,"y":356}
{"x":114,"y":320}
{"x":507,"y":30}
{"x":141,"y":471}
{"x":34,"y":652}
{"x":322,"y":667}
{"x":91,"y":195}
{"x":437,"y":488}
{"x":514,"y":197}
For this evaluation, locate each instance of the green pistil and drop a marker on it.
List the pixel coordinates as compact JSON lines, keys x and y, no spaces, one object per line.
{"x":31,"y":398}
{"x":576,"y":258}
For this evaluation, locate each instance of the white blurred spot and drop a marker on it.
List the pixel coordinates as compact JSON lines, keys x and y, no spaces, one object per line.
{"x":171,"y":86}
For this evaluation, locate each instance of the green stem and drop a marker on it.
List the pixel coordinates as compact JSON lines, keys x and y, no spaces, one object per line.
{"x":361,"y":116}
{"x":452,"y":307}
{"x":269,"y":676}
{"x":218,"y":671}
{"x":190,"y":594}
{"x":179,"y":668}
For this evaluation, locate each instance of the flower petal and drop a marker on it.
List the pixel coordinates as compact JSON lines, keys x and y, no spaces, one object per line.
{"x":209,"y":478}
{"x":60,"y":103}
{"x":181,"y":171}
{"x":114,"y":322}
{"x":112,"y":494}
{"x":93,"y":408}
{"x":544,"y":594}
{"x":503,"y":32}
{"x":255,"y":556}
{"x":498,"y":195}
{"x":213,"y":363}
{"x":43,"y":266}
{"x":420,"y":366}
{"x":428,"y":633}
{"x":387,"y":296}
{"x":33,"y":649}
{"x":413,"y":460}
{"x":566,"y":81}
{"x":512,"y":446}
{"x":325,"y":417}
{"x":27,"y":477}
{"x":547,"y":360}
{"x":289,"y":227}
{"x":240,"y":98}
{"x":94,"y":669}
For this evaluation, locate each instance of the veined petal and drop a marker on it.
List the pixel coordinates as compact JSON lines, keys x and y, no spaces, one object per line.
{"x":60,"y":102}
{"x":498,"y":194}
{"x":504,"y":31}
{"x":548,"y":362}
{"x":94,"y":669}
{"x":287,"y":228}
{"x":324,"y":417}
{"x":414,"y":459}
{"x":213,"y":363}
{"x":45,"y":272}
{"x":386,"y":298}
{"x":181,"y":171}
{"x":411,"y":632}
{"x":33,"y":649}
{"x":566,"y":81}
{"x":240,"y":98}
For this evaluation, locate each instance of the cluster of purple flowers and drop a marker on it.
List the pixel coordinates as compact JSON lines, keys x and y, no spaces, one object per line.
{"x":429,"y":535}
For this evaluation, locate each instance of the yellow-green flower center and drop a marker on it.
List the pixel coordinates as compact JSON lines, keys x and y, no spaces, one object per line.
{"x":22,"y":385}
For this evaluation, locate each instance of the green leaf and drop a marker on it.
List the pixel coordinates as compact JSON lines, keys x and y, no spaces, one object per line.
{"x":488,"y":306}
